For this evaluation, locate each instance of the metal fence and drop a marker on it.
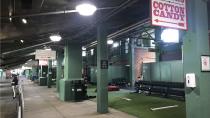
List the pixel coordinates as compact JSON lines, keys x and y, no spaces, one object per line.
{"x":20,"y":106}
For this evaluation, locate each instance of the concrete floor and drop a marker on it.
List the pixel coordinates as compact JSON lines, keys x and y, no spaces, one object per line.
{"x":8,"y":105}
{"x":42,"y":102}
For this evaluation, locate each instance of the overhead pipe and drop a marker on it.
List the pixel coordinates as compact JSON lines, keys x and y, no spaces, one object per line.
{"x":129,"y":28}
{"x":13,"y":51}
{"x":122,"y":31}
{"x":14,"y":65}
{"x":117,"y":10}
{"x":50,"y":13}
{"x":122,"y":6}
{"x":17,"y":55}
{"x":41,"y":14}
{"x":112,"y":13}
{"x":106,"y":17}
{"x":13,"y":60}
{"x":91,"y":44}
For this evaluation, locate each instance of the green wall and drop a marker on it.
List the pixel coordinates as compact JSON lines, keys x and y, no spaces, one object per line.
{"x":114,"y":72}
{"x":170,"y":71}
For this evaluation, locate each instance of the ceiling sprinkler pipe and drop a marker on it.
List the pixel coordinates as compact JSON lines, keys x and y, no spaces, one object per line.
{"x":13,"y":51}
{"x":42,"y":14}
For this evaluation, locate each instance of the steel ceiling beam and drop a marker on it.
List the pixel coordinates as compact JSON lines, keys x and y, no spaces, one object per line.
{"x":40,"y":14}
{"x":129,"y":28}
{"x":26,"y":48}
{"x":13,"y":65}
{"x":13,"y":60}
{"x":106,"y":17}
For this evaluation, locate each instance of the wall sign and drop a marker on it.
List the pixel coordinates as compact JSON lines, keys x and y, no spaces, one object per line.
{"x":43,"y":62}
{"x":205,"y":63}
{"x":104,"y":64}
{"x":45,"y":54}
{"x":169,"y":13}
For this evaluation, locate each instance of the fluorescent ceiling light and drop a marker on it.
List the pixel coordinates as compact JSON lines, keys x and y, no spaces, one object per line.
{"x":55,"y":38}
{"x":24,"y":21}
{"x":83,"y":48}
{"x":116,"y":44}
{"x":110,"y":42}
{"x":84,"y":53}
{"x":86,"y":9}
{"x":10,"y":19}
{"x":48,"y":49}
{"x":22,"y":41}
{"x":128,"y":39}
{"x":170,"y":36}
{"x":91,"y":51}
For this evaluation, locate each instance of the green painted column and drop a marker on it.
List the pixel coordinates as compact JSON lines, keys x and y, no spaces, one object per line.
{"x":34,"y":71}
{"x":59,"y":68}
{"x":131,"y":63}
{"x":157,"y":40}
{"x":196,"y":44}
{"x":27,"y":72}
{"x":72,"y":70}
{"x":73,"y":62}
{"x":49,"y":75}
{"x":1,"y":74}
{"x":102,"y":74}
{"x":41,"y":71}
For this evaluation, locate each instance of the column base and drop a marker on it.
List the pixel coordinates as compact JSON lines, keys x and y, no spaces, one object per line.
{"x":65,"y":90}
{"x":72,"y":90}
{"x":58,"y":85}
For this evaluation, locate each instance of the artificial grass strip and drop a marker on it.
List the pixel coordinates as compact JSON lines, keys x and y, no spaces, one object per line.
{"x":140,"y":106}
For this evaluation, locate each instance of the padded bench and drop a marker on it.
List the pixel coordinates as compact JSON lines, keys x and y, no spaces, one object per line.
{"x":163,"y":88}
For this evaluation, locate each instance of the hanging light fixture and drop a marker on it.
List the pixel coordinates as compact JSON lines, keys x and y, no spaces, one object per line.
{"x":24,"y":21}
{"x":110,"y":42}
{"x":86,"y":9}
{"x":55,"y":38}
{"x":170,"y":36}
{"x":116,"y":44}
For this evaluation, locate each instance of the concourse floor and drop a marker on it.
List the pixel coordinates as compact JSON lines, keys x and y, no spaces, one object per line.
{"x":42,"y":102}
{"x":8,"y":105}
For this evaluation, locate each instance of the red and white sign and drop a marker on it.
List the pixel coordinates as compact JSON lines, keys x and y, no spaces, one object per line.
{"x":169,"y":13}
{"x":43,"y":62}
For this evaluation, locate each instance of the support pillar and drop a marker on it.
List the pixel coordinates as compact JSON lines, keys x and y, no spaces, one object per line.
{"x":34,"y":73}
{"x":131,"y":63}
{"x":59,"y":68}
{"x":102,"y":74}
{"x":72,"y":70}
{"x":49,"y":76}
{"x":1,"y":74}
{"x":41,"y":75}
{"x":196,"y":44}
{"x":157,"y":40}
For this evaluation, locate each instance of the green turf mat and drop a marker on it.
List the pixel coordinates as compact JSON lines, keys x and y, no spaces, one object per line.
{"x":140,"y":104}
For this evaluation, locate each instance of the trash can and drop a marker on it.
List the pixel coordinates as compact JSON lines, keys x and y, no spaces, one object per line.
{"x":43,"y":81}
{"x":78,"y":90}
